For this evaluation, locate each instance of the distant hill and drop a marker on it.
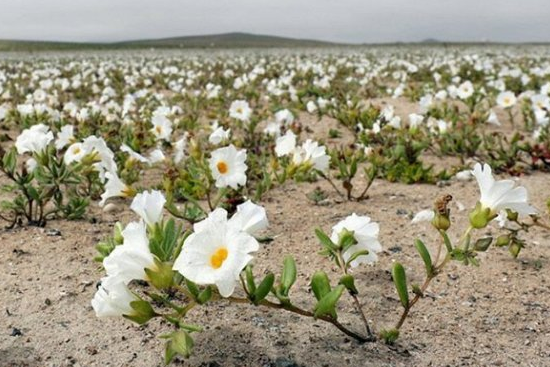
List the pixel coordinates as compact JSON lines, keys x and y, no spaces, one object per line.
{"x":226,"y":40}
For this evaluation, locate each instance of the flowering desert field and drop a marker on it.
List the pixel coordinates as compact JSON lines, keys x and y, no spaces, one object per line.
{"x":350,"y":206}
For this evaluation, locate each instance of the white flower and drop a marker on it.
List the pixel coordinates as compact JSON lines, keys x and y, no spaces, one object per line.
{"x":134,"y":155}
{"x":311,"y":107}
{"x":179,"y":149}
{"x":156,"y":156}
{"x":216,"y":254}
{"x":31,"y":164}
{"x":34,"y":139}
{"x":113,"y":299}
{"x":500,"y":195}
{"x":312,"y":153}
{"x":415,"y":120}
{"x":219,"y":135}
{"x":424,"y":216}
{"x":129,"y":260}
{"x":502,"y":218}
{"x":114,"y":187}
{"x":273,"y":128}
{"x":284,"y":116}
{"x":149,"y":205}
{"x":93,"y":144}
{"x":425,"y":103}
{"x":465,"y":90}
{"x":228,"y":167}
{"x":162,"y":127}
{"x":240,"y":110}
{"x":365,"y":233}
{"x":541,"y":117}
{"x":506,"y":99}
{"x":285,"y":144}
{"x":493,"y":118}
{"x":74,"y":153}
{"x":65,"y":137}
{"x":250,"y":218}
{"x":465,"y":175}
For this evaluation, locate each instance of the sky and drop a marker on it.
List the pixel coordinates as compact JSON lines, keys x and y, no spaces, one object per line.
{"x":352,"y":21}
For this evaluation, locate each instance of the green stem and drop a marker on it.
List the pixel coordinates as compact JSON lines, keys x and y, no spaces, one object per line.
{"x":299,"y":311}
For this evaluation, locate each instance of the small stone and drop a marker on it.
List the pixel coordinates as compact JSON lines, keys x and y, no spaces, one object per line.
{"x":285,"y":362}
{"x":91,"y":350}
{"x":110,"y":208}
{"x":52,"y":232}
{"x":16,"y":332}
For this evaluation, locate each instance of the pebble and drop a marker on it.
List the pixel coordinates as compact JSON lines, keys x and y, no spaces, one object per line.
{"x":110,"y":208}
{"x":52,"y":232}
{"x":285,"y":362}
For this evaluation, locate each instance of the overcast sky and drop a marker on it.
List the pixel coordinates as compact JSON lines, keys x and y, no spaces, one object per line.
{"x":332,"y":20}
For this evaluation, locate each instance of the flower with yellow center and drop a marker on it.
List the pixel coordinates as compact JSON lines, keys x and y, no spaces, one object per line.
{"x":162,"y":127}
{"x":74,"y":153}
{"x":217,"y":252}
{"x":115,"y":187}
{"x":228,"y":167}
{"x":506,"y":99}
{"x":240,"y":110}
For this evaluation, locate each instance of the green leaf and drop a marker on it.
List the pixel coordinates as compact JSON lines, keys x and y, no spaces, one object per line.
{"x":33,"y":193}
{"x":355,"y":256}
{"x":289,"y":273}
{"x":425,"y":255}
{"x":400,"y":281}
{"x":250,"y":283}
{"x":205,"y":295}
{"x":447,"y":241}
{"x":320,"y":284}
{"x":264,"y":288}
{"x":9,"y":160}
{"x":192,"y":287}
{"x":349,"y":282}
{"x":327,"y":304}
{"x":325,"y":240}
{"x":389,"y":336}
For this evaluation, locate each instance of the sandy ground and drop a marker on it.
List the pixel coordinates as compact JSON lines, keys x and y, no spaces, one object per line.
{"x":492,"y":315}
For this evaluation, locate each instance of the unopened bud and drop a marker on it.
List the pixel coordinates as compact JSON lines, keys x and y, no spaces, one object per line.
{"x":441,"y":221}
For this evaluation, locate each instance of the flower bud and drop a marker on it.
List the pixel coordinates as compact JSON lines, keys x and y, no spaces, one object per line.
{"x":503,"y":240}
{"x":441,"y":221}
{"x":194,"y":149}
{"x":515,"y":248}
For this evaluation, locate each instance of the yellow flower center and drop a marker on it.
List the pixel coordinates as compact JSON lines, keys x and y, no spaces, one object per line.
{"x":217,"y":259}
{"x":239,"y":110}
{"x":158,"y":129}
{"x":506,"y":100}
{"x":222,"y":167}
{"x":76,"y":150}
